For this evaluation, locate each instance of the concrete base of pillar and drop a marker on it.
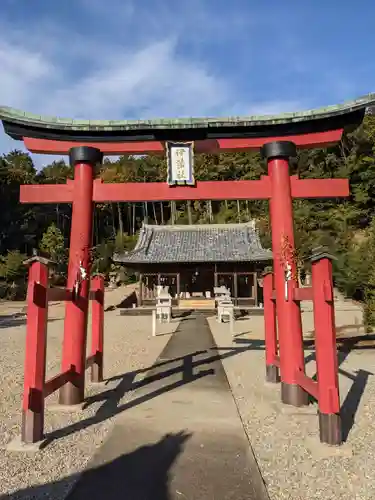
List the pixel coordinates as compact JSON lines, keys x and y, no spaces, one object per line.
{"x":59,"y":408}
{"x":293,"y":394}
{"x":18,"y":446}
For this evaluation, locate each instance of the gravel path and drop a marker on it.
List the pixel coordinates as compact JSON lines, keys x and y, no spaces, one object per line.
{"x":129,"y":349}
{"x":286,"y":444}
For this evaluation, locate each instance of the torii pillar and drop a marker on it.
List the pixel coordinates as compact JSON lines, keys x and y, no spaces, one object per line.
{"x":83,"y":159}
{"x":289,"y":322}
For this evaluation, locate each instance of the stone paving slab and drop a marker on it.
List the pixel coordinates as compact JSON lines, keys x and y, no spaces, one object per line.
{"x":184,"y":438}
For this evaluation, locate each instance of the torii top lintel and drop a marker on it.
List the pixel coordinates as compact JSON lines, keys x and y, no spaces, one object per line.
{"x":307,"y":129}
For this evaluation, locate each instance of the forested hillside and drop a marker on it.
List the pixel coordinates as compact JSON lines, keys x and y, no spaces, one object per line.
{"x":347,"y":226}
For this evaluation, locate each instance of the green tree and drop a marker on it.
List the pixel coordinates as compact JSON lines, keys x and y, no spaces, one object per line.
{"x":18,"y":230}
{"x":52,"y":244}
{"x":369,"y":309}
{"x":12,"y":266}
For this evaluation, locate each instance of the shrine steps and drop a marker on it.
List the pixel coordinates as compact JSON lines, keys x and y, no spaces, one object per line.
{"x":197,"y":304}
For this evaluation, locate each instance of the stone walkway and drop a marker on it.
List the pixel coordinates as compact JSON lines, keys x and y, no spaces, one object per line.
{"x":181,"y":437}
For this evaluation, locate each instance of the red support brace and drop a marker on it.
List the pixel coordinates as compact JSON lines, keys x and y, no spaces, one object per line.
{"x":299,"y":294}
{"x":308,"y":384}
{"x":326,"y":352}
{"x":97,"y":339}
{"x":36,"y":388}
{"x":35,"y":356}
{"x":270,"y":332}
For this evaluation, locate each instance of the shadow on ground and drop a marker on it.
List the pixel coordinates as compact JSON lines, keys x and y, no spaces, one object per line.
{"x":143,"y":474}
{"x":18,"y":319}
{"x":15,"y":319}
{"x":191,"y":367}
{"x":126,"y":302}
{"x":356,"y":329}
{"x":350,"y":405}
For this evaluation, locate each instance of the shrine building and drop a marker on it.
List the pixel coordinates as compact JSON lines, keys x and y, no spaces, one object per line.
{"x":193,"y":259}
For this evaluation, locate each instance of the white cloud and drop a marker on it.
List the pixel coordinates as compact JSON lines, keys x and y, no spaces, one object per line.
{"x":65,"y":74}
{"x":152,"y":81}
{"x":21,"y":71}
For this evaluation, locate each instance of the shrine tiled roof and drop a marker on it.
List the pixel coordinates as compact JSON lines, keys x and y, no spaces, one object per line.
{"x":20,"y":124}
{"x":196,"y":243}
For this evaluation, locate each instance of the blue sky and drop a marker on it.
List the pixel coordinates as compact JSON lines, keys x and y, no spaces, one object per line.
{"x":118,"y":59}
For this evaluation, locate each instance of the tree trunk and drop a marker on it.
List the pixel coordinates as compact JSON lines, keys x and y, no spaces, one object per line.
{"x":133,"y":222}
{"x":97,"y":222}
{"x":120,"y":221}
{"x":210,"y":214}
{"x":129,"y":221}
{"x":154,"y":210}
{"x":173,"y":212}
{"x":162,"y":212}
{"x":145,"y":212}
{"x":113,"y":221}
{"x":190,"y":215}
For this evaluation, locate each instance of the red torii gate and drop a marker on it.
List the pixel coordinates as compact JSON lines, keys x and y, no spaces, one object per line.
{"x":278,"y":186}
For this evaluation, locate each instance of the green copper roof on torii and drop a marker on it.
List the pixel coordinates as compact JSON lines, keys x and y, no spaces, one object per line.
{"x":11,"y":115}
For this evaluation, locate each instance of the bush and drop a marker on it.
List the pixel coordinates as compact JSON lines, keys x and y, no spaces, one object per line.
{"x":3,"y":290}
{"x":369,"y":309}
{"x":13,"y":291}
{"x":124,"y":242}
{"x":12,"y":267}
{"x":52,"y":244}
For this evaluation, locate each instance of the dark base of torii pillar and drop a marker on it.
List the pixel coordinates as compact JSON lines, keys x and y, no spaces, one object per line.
{"x":277,"y":155}
{"x":83,"y":159}
{"x":293,"y":394}
{"x":272,"y":374}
